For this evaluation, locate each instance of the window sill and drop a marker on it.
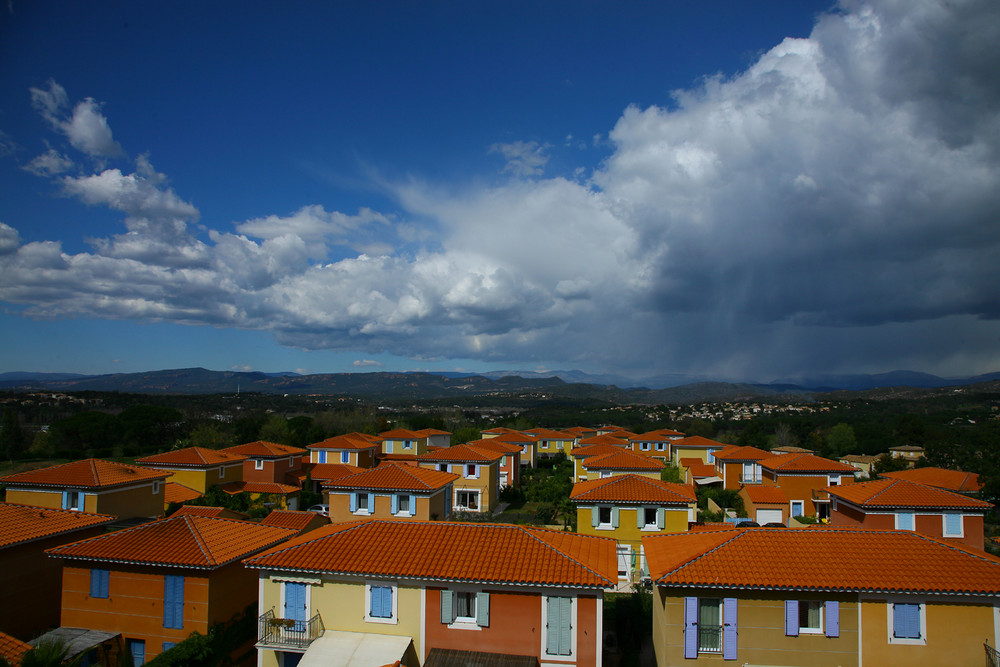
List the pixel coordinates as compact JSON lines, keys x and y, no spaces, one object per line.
{"x":375,"y":619}
{"x":604,"y":526}
{"x":362,"y":513}
{"x":403,"y":514}
{"x":464,"y":624}
{"x":650,"y":529}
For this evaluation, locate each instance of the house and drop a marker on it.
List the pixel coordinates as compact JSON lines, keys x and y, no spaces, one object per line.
{"x":268,"y":461}
{"x":863,"y":462}
{"x":303,"y":522}
{"x":435,"y":437}
{"x":392,"y":490}
{"x":206,"y":510}
{"x":906,"y":505}
{"x":910,"y":453}
{"x":490,"y":589}
{"x":91,"y":485}
{"x":158,"y":582}
{"x":498,"y":431}
{"x":612,"y":429}
{"x":551,"y":442}
{"x":738,"y":466}
{"x":655,"y":443}
{"x":765,"y":504}
{"x":478,"y":487}
{"x":580,"y":454}
{"x":958,"y":481}
{"x":30,"y":582}
{"x":196,"y":467}
{"x":804,"y":478}
{"x":695,"y":446}
{"x":315,"y":475}
{"x":627,"y":507}
{"x":622,"y":462}
{"x":177,"y":493}
{"x":820,"y":596}
{"x":580,"y":432}
{"x":527,"y":443}
{"x":510,"y":464}
{"x":272,"y":494}
{"x":404,"y":441}
{"x":12,"y":648}
{"x":354,"y":449}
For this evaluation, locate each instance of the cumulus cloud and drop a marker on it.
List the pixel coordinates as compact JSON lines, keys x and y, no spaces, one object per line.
{"x":49,"y":163}
{"x":524,"y":158}
{"x":86,"y":127}
{"x":831,"y":207}
{"x":367,"y":363}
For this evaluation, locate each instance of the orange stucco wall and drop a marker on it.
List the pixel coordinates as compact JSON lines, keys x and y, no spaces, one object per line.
{"x":516,"y":626}
{"x":801,"y":487}
{"x":927,"y":524}
{"x":274,"y":470}
{"x":427,"y":508}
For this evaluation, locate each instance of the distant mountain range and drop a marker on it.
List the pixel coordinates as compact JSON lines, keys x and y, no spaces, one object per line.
{"x":676,"y":389}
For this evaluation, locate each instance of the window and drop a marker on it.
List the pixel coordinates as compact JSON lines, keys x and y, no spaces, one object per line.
{"x":173,"y":601}
{"x":558,"y":626}
{"x":72,"y":500}
{"x":904,"y":521}
{"x":222,"y":472}
{"x":648,"y":517}
{"x":661,"y":446}
{"x":503,"y":461}
{"x":604,"y":516}
{"x":258,"y":464}
{"x":345,"y":457}
{"x":953,"y":525}
{"x":322,"y":456}
{"x":407,"y":444}
{"x":710,"y":456}
{"x":443,"y":467}
{"x":833,"y":480}
{"x":469,"y":608}
{"x":605,"y":473}
{"x":906,"y":623}
{"x":468,"y":500}
{"x":644,"y":446}
{"x":470,"y":470}
{"x":361,"y":503}
{"x":751,"y":473}
{"x":137,"y":647}
{"x":402,"y":503}
{"x":99,"y":583}
{"x":807,"y":617}
{"x":167,"y":646}
{"x":156,"y":488}
{"x":380,"y":603}
{"x":798,"y":508}
{"x":710,"y":627}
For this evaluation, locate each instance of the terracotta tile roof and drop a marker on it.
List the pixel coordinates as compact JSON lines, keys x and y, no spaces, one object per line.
{"x":858,"y":458}
{"x":500,"y":429}
{"x":395,"y":477}
{"x":603,"y":440}
{"x":698,"y":441}
{"x":233,"y":488}
{"x":702,"y":470}
{"x":12,"y":648}
{"x":743,"y":454}
{"x":840,"y":559}
{"x":409,"y":459}
{"x":886,"y":493}
{"x":178,"y":493}
{"x":610,"y":428}
{"x":479,"y":552}
{"x":516,"y":437}
{"x":654,"y":436}
{"x":183,"y":541}
{"x":797,"y":463}
{"x":623,"y":460}
{"x":952,"y":480}
{"x":328,"y":471}
{"x":688,"y":461}
{"x":594,"y":450}
{"x":766,"y":494}
{"x":261,"y":449}
{"x":401,"y":434}
{"x":791,"y":449}
{"x":549,"y":434}
{"x":290,"y":519}
{"x":703,"y":527}
{"x":190,"y":457}
{"x":632,"y":489}
{"x":204,"y":510}
{"x":579,"y":430}
{"x":424,"y":432}
{"x":906,"y":448}
{"x":86,"y":474}
{"x":348,"y":441}
{"x":469,"y":453}
{"x":495,"y":445}
{"x":25,"y":523}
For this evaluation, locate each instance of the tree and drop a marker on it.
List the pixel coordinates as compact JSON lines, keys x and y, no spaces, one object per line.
{"x":783,"y":436}
{"x":887,"y":463}
{"x":209,"y":436}
{"x":840,"y":440}
{"x":46,"y":654}
{"x":11,"y":436}
{"x":671,"y":473}
{"x":275,"y":429}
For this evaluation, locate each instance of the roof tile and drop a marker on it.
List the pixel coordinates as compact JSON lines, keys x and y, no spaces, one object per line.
{"x":942,"y":478}
{"x":469,"y":453}
{"x":352,"y":441}
{"x":632,"y":489}
{"x":264,"y":449}
{"x":25,"y":523}
{"x":793,"y":463}
{"x":86,"y":474}
{"x":395,"y":477}
{"x":902,"y":493}
{"x":623,"y":460}
{"x":195,"y":457}
{"x":766,"y":494}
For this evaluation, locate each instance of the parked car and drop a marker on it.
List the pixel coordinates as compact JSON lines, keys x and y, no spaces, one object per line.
{"x":748,"y":524}
{"x":323,"y":509}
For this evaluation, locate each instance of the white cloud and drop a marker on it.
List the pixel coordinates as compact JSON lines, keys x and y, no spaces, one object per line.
{"x":524,"y":158}
{"x":49,"y":163}
{"x":367,"y":363}
{"x":86,"y":128}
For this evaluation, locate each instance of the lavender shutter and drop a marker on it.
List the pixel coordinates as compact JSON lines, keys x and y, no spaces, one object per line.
{"x":792,"y":618}
{"x":832,"y":618}
{"x":729,"y":629}
{"x":690,"y":627}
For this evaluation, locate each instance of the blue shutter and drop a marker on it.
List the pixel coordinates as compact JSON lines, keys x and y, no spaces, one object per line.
{"x":345,"y":457}
{"x":832,"y":618}
{"x":99,"y":583}
{"x":371,"y":503}
{"x":295,"y":601}
{"x":904,"y":520}
{"x":952,"y":524}
{"x":690,"y":627}
{"x":173,"y":601}
{"x":483,"y":610}
{"x":413,"y":505}
{"x":447,"y":605}
{"x":322,"y":456}
{"x":65,"y":500}
{"x":729,"y":629}
{"x":137,"y":647}
{"x":906,"y":621}
{"x":394,"y":503}
{"x":354,"y":501}
{"x":387,"y":601}
{"x":792,"y":618}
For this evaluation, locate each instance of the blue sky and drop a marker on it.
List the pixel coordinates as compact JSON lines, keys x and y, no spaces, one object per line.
{"x":742,"y":190}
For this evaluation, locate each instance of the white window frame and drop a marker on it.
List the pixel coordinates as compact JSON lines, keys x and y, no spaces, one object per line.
{"x":399,"y":505}
{"x":913,"y":520}
{"x":791,"y":507}
{"x":222,"y":472}
{"x":645,"y":524}
{"x":392,"y":620}
{"x":156,"y":487}
{"x":281,"y":596}
{"x":362,"y":510}
{"x":443,"y":467}
{"x":407,"y":444}
{"x":548,"y":657}
{"x":465,"y":620}
{"x":258,"y":464}
{"x":821,"y":630}
{"x":644,"y":446}
{"x":834,"y":480}
{"x":76,"y":505}
{"x":609,"y":524}
{"x":920,"y":641}
{"x":466,"y":508}
{"x":961,"y":524}
{"x":604,"y":474}
{"x":466,"y":473}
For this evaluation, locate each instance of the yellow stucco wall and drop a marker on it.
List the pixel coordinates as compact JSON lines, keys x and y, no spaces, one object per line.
{"x":679,"y":453}
{"x":140,"y":501}
{"x":674,"y":521}
{"x":50,"y":499}
{"x":761,"y":635}
{"x":201,"y":479}
{"x":955,"y":633}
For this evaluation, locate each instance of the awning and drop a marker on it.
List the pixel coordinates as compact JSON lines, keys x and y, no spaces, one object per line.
{"x":708,"y":480}
{"x":355,"y":649}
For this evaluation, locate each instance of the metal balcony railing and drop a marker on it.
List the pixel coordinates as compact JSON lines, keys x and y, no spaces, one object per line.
{"x":992,"y":656}
{"x":287,"y":632}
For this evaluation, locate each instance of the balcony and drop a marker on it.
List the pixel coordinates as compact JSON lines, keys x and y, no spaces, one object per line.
{"x":286,"y":632}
